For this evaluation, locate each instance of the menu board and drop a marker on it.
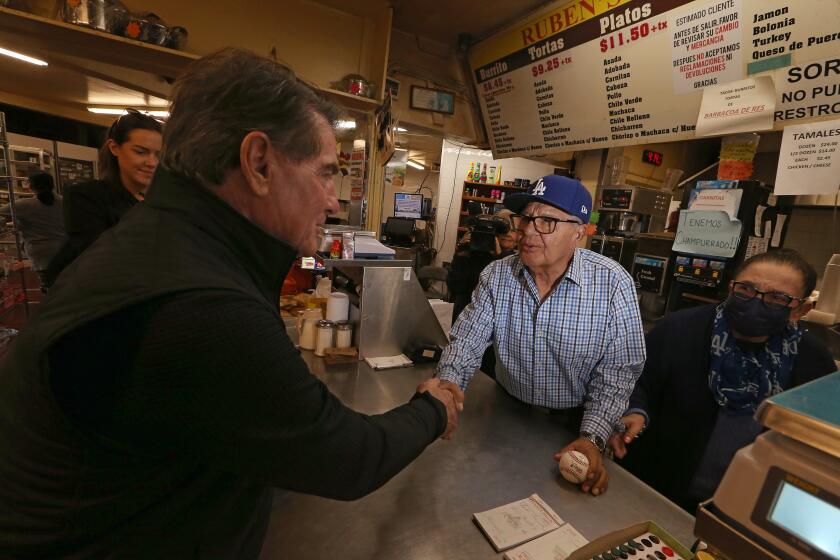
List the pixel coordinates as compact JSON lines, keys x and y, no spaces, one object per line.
{"x":72,"y":171}
{"x":590,"y":74}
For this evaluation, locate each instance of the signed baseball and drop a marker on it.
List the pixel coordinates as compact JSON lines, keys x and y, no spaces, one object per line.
{"x":573,"y":466}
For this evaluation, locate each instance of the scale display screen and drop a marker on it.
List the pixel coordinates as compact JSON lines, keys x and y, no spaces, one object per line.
{"x":811,"y":519}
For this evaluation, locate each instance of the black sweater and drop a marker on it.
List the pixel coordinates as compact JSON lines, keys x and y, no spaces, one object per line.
{"x":155,"y":400}
{"x":674,"y":390}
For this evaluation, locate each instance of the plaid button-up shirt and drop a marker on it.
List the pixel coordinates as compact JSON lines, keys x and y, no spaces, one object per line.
{"x":583,"y":345}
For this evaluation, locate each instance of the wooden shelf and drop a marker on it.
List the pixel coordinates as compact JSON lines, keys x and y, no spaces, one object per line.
{"x":495,"y":186}
{"x":52,"y":36}
{"x":480,"y":199}
{"x":355,"y":102}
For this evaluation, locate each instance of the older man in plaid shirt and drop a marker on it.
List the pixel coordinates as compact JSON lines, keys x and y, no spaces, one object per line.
{"x":564,"y":322}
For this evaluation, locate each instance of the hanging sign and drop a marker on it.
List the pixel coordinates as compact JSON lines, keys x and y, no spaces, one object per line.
{"x":586,"y":74}
{"x":707,"y":233}
{"x":742,"y":106}
{"x":809,"y":159}
{"x":706,"y":49}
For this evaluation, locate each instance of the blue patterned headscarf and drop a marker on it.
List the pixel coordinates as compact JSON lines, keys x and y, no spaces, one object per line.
{"x":739,"y":379}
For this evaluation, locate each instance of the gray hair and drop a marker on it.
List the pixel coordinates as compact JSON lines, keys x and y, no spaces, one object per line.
{"x":224,"y":96}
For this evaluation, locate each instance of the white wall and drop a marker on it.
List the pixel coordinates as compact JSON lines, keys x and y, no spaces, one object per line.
{"x":413,"y":179}
{"x":454,"y":163}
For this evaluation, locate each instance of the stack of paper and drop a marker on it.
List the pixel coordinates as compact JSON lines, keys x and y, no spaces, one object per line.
{"x":521,"y":523}
{"x":388,"y":362}
{"x":557,"y":545}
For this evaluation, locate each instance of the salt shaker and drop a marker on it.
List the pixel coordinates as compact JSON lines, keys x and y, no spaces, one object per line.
{"x":326,"y":329}
{"x":343,"y":334}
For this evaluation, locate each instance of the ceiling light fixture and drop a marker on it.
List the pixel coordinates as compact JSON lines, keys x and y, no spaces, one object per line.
{"x":415,"y":165}
{"x":159,"y":113}
{"x":345,"y":125}
{"x":23,"y":57}
{"x":401,"y":129}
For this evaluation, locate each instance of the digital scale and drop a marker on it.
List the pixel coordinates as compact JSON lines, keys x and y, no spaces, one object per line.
{"x":780,"y":497}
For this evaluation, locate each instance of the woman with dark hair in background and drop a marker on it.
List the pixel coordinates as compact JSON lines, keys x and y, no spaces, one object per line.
{"x":709,"y":368}
{"x":127,"y":163}
{"x":41,"y":222}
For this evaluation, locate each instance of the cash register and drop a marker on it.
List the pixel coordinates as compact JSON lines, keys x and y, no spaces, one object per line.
{"x":780,"y":497}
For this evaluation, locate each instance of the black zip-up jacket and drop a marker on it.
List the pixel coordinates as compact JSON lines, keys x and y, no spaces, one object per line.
{"x":150,"y":407}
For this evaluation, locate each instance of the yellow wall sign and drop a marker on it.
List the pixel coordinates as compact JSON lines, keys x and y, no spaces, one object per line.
{"x":557,"y":20}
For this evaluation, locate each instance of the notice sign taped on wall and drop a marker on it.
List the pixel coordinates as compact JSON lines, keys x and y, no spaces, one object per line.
{"x":707,"y":233}
{"x":809,"y":159}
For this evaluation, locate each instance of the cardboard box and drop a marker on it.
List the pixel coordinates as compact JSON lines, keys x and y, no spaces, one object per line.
{"x":612,"y":540}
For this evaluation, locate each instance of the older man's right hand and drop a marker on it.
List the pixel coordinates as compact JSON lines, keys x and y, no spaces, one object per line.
{"x":436,"y":388}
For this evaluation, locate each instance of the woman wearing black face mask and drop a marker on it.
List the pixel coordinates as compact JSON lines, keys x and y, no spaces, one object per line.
{"x":709,"y":368}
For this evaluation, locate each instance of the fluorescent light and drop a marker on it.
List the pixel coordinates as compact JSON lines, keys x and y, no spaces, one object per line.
{"x":113,"y":111}
{"x":401,"y":129}
{"x":345,"y":124}
{"x":414,"y":164}
{"x":23,"y":57}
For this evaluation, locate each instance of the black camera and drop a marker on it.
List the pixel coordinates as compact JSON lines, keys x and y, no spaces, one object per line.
{"x":483,"y":232}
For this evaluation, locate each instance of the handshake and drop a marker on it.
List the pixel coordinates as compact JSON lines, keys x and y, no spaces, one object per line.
{"x":452,"y":398}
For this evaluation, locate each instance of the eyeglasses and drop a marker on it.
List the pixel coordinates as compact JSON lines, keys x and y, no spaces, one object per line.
{"x":770,"y":299}
{"x":542,"y":224}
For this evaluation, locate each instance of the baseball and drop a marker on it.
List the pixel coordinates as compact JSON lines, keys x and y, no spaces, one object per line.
{"x":573,"y":466}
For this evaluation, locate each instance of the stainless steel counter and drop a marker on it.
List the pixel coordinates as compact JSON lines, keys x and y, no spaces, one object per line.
{"x":502,"y":452}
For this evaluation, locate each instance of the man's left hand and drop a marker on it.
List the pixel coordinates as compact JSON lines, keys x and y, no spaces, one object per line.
{"x":596,"y":478}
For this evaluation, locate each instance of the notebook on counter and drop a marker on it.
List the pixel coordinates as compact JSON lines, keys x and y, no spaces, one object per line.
{"x":518,"y":522}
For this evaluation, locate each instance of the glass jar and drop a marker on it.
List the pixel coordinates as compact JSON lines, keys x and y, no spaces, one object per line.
{"x":326,"y":333}
{"x":348,"y":245}
{"x":343,"y":334}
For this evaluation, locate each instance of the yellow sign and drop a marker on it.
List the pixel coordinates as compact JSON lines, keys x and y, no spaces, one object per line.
{"x":549,"y":23}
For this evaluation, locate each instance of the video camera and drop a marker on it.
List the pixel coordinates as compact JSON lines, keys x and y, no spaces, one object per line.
{"x":484,"y":229}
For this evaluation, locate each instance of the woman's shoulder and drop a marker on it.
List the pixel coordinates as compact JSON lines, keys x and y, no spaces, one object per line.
{"x":814,"y":359}
{"x":94,"y":185}
{"x":88,"y":191}
{"x":692,"y":317}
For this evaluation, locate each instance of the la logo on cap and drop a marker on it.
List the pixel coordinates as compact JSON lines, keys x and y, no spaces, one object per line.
{"x":584,"y":210}
{"x":539,"y":190}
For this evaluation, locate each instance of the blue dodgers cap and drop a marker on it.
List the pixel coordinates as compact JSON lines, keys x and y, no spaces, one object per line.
{"x":565,"y":193}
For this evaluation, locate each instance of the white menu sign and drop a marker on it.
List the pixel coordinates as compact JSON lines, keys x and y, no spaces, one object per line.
{"x":588,"y":74}
{"x":809,"y":162}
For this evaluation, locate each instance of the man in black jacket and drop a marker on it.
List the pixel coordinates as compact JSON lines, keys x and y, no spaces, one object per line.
{"x":709,"y":368}
{"x":155,"y":401}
